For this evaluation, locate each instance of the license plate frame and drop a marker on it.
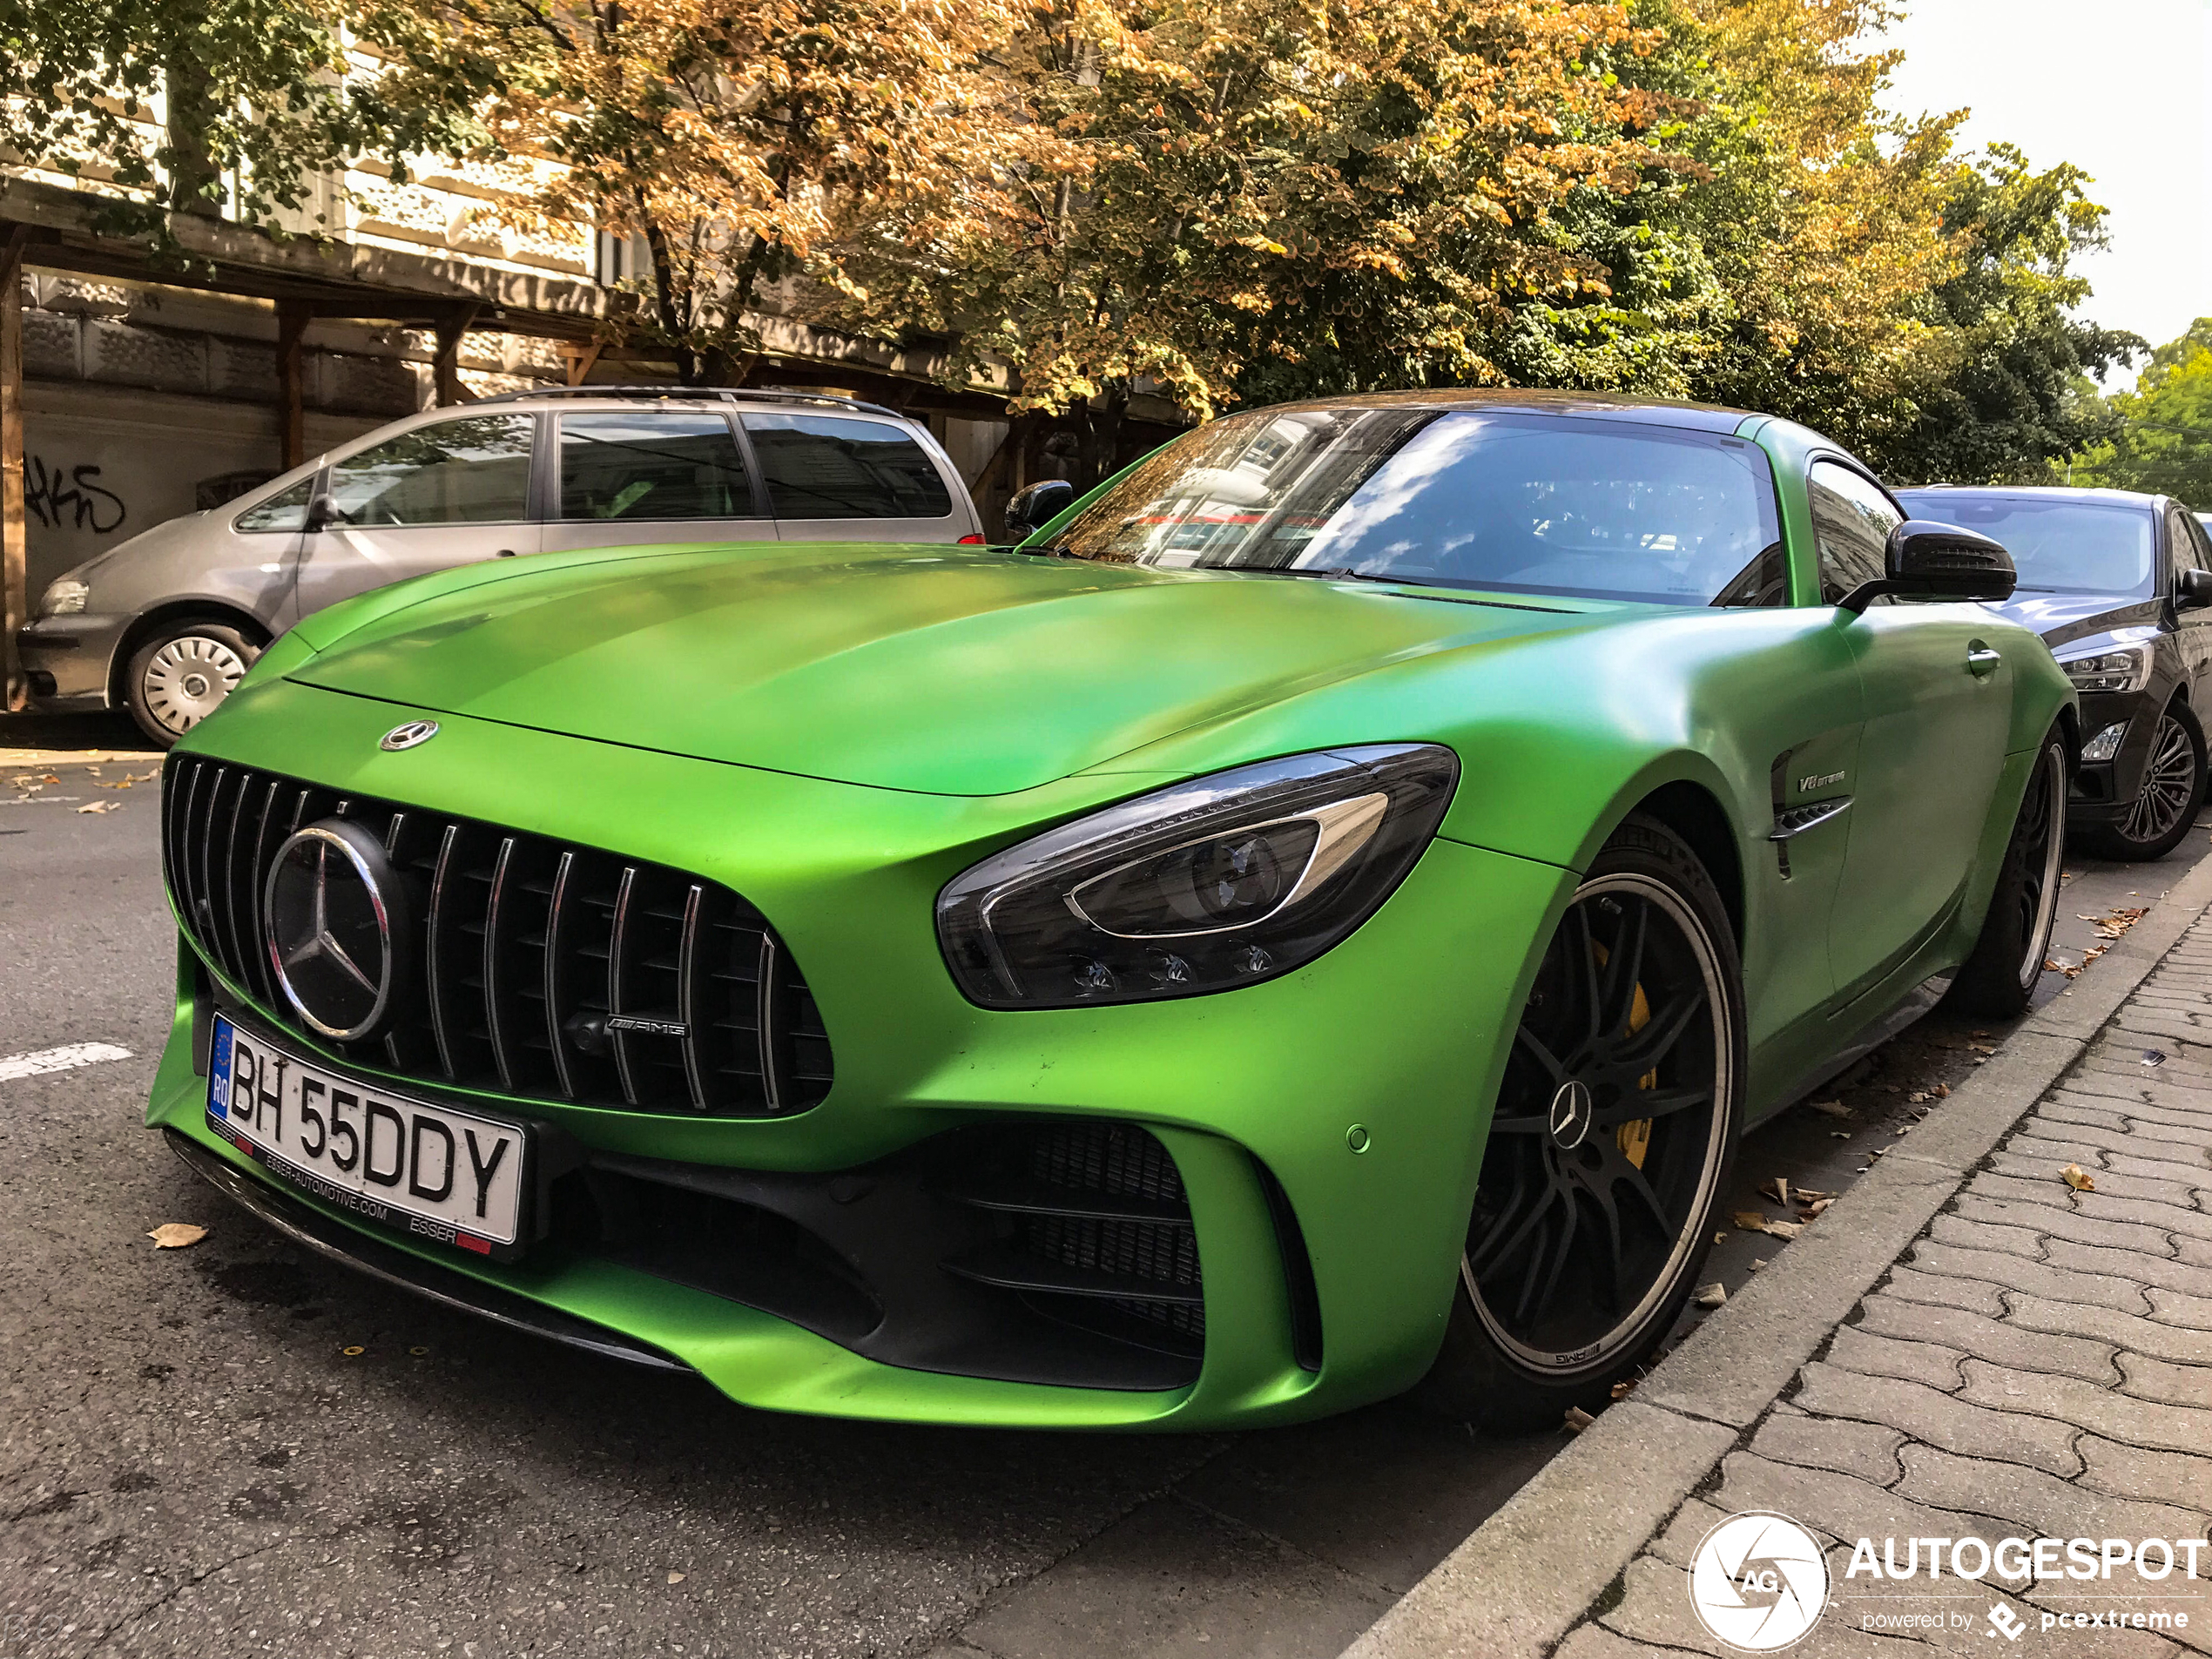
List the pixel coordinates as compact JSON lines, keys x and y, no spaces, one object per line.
{"x":496,"y":1156}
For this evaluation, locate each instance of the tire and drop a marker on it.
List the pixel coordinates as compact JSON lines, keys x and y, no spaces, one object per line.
{"x":2170,"y":797}
{"x":1999,"y":977}
{"x":182,"y":671}
{"x":1588,"y":1225}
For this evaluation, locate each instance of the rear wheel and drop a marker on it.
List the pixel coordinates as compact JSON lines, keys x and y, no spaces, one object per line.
{"x":2169,"y":797}
{"x":181,"y":674}
{"x":1998,"y":979}
{"x":1609,"y":1146}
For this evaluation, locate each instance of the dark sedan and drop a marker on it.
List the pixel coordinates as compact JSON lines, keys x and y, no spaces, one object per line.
{"x":2119,"y":586}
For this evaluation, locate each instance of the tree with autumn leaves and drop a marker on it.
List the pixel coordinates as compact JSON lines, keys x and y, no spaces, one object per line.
{"x":1231,"y":201}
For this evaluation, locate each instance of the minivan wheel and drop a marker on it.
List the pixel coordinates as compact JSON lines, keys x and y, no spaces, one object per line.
{"x":1609,"y":1146}
{"x":181,"y":674}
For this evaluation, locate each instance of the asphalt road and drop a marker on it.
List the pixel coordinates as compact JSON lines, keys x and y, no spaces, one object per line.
{"x":237,"y":1448}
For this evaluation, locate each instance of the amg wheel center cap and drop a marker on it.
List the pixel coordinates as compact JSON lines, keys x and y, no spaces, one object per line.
{"x":1571,"y":1113}
{"x":332,"y":921}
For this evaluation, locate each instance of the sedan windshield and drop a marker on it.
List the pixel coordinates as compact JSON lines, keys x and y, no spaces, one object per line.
{"x":2059,"y":544}
{"x":1511,"y":502}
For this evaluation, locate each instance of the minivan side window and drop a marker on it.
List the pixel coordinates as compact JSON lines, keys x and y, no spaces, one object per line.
{"x":652,"y":466}
{"x":1852,"y":521}
{"x":286,"y":510}
{"x":828,"y":465}
{"x":476,"y":470}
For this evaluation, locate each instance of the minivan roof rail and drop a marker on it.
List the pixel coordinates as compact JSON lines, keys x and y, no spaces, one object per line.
{"x":719,"y":393}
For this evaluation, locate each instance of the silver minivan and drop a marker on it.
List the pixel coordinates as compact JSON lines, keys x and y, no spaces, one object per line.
{"x":167,"y":622}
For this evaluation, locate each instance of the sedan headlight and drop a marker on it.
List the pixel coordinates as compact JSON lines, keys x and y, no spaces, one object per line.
{"x":63,"y":598}
{"x":2127,"y":670}
{"x":1205,"y":886}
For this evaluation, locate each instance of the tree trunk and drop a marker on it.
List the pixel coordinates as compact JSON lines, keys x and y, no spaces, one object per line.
{"x":195,"y":182}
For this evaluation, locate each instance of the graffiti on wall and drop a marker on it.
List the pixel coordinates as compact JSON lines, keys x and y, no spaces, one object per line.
{"x":70,"y":497}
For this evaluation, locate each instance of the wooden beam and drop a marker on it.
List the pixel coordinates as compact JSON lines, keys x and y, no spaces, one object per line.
{"x":582,"y":358}
{"x":293,"y":316}
{"x":15,"y":602}
{"x":446,"y":370}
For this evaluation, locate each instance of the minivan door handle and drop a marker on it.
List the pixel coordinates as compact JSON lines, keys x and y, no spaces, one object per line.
{"x":1982,"y":660}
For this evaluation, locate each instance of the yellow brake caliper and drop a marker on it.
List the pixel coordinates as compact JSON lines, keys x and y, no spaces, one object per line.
{"x":1633,"y":1139}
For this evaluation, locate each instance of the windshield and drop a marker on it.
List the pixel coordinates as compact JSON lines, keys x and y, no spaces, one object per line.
{"x":1511,"y":502}
{"x":2059,"y":544}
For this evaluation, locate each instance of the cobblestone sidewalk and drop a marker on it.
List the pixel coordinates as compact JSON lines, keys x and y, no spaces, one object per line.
{"x":2039,"y":1363}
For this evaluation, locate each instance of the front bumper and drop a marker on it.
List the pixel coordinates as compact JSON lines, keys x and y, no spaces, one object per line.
{"x":2103,"y":790}
{"x":71,"y":661}
{"x":1401,"y":1030}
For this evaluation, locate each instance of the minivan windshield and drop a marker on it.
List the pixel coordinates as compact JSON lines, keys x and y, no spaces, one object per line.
{"x":1506,"y":501}
{"x":2059,"y":543}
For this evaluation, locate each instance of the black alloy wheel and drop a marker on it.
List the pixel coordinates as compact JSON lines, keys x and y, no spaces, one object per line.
{"x":1999,"y":978}
{"x":2170,"y":795}
{"x":1612,"y":1133}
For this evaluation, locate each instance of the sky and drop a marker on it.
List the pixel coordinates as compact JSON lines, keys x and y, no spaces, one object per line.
{"x":2120,"y":88}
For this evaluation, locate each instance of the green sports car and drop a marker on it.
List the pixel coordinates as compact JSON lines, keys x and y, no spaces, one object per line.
{"x":1314,"y":919}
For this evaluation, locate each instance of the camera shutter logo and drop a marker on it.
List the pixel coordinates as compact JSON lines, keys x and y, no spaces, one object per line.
{"x":1758,"y":1582}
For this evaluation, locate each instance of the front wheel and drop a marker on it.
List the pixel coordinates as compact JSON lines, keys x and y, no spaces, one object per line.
{"x":1999,"y":978}
{"x":180,"y":675}
{"x":1609,"y":1145}
{"x":2169,"y":797}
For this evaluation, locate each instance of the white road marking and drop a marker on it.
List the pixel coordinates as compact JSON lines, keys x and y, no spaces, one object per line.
{"x":62,"y":1059}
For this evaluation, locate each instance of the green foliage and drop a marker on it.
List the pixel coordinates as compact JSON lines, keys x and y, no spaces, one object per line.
{"x":2163,"y":443}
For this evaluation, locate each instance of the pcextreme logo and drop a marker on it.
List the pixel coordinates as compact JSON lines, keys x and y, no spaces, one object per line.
{"x":1758,"y":1581}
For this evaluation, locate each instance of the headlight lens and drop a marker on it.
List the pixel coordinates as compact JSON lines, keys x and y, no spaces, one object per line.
{"x":63,"y":598}
{"x":1209,"y":885}
{"x":2127,"y":670}
{"x":2106,"y":744}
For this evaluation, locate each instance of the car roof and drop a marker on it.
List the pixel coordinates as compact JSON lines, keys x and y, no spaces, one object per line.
{"x":1703,"y":417}
{"x":2056,"y":492}
{"x":749,"y":396}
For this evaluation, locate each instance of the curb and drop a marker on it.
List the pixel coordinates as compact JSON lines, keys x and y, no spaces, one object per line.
{"x":1528,"y":1575}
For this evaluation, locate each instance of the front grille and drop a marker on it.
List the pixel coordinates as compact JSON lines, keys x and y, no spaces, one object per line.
{"x":528,"y":947}
{"x":1101,"y":1232}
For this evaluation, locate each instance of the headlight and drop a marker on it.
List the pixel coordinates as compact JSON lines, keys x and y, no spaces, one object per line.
{"x":63,"y":598}
{"x":2106,"y":744}
{"x":2128,"y":670}
{"x":1213,"y":884}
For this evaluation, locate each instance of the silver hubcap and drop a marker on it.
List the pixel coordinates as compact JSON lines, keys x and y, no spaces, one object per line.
{"x":188,"y":680}
{"x":2169,"y":784}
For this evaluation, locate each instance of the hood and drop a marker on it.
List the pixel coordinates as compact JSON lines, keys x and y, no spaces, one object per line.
{"x":963,"y":671}
{"x":2064,"y":618}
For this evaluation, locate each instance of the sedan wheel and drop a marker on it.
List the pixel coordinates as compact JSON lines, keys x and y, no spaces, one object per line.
{"x":2172,"y":791}
{"x":181,"y":676}
{"x":1612,"y":1132}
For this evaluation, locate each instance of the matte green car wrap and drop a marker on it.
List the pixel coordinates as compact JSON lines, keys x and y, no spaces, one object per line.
{"x":835,"y":732}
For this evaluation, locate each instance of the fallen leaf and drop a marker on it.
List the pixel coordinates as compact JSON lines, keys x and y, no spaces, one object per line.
{"x":1750,"y":1220}
{"x":1839,"y":1135}
{"x":1622,"y":1389}
{"x":1942,"y":1091}
{"x":1578,"y":1419}
{"x":1916,"y":1096}
{"x":1833,"y":1108}
{"x":1982,"y":1048}
{"x":1758,"y":1263}
{"x":676,"y":1578}
{"x":99,"y":806}
{"x":176,"y":1235}
{"x":1816,"y":1206}
{"x":1779,"y":1187}
{"x":1804,"y":1193}
{"x":1713,"y":1295}
{"x":2075,"y":1177}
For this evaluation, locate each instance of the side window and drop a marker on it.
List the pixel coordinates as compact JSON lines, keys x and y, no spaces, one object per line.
{"x":2182,"y":533}
{"x":476,"y":470}
{"x":652,"y":466}
{"x":1852,"y":521}
{"x":830,"y":466}
{"x":286,"y":510}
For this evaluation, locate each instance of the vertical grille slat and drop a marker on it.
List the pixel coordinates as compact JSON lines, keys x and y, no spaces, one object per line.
{"x":498,"y":918}
{"x":527,"y":945}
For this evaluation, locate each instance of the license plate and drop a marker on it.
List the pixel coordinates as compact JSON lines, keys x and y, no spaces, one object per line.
{"x":434,"y":1172}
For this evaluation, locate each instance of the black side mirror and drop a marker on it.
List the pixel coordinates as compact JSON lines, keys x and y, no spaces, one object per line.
{"x":322,"y":513}
{"x":1033,"y":508}
{"x":2193,"y":592}
{"x":1926,"y":560}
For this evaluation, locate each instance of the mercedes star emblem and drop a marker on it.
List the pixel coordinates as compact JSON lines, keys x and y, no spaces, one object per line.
{"x":1572,"y":1109}
{"x":410,"y":735}
{"x":333,"y":924}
